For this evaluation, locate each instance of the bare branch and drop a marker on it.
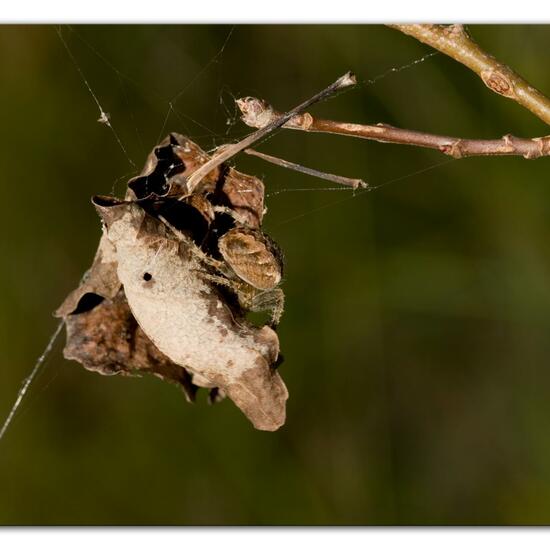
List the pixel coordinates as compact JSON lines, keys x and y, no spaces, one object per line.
{"x":229,"y":151}
{"x":454,"y":41}
{"x":341,"y":180}
{"x":256,"y":113}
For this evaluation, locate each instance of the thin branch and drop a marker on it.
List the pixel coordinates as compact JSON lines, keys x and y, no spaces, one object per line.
{"x":341,"y":180}
{"x":229,"y":151}
{"x":454,"y":41}
{"x":257,"y":113}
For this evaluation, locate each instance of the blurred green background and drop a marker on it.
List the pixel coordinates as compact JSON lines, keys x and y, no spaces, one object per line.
{"x":416,"y":333}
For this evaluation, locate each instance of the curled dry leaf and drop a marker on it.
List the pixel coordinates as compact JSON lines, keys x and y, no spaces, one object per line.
{"x":108,"y":340}
{"x":153,"y":301}
{"x":99,"y":282}
{"x":169,"y":166}
{"x":187,"y":318}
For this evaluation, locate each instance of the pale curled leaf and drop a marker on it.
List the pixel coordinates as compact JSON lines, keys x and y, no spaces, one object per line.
{"x":102,"y":333}
{"x":188,"y":319}
{"x":107,"y":339}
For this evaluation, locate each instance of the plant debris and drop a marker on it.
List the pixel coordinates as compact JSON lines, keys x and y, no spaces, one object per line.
{"x":175,"y":274}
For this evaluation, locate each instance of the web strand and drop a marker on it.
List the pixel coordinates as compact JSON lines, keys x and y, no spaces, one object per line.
{"x":103,"y":116}
{"x":214,"y":59}
{"x":394,"y":70}
{"x":364,"y":191}
{"x":174,"y":99}
{"x":149,"y":92}
{"x":29,"y":380}
{"x":305,"y":189}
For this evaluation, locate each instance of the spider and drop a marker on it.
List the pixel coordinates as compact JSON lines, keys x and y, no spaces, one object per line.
{"x":251,"y":267}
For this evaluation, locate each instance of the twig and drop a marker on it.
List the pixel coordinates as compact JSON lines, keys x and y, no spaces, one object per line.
{"x":256,"y":113}
{"x":341,"y":180}
{"x":454,"y":41}
{"x":231,"y":150}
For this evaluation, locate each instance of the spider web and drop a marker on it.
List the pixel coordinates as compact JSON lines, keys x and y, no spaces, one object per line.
{"x":226,"y":99}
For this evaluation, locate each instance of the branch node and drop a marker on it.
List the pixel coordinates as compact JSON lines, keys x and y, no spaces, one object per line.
{"x":256,"y":113}
{"x":453,"y":149}
{"x":509,"y":141}
{"x":303,"y":121}
{"x":498,"y":82}
{"x":543,"y":145}
{"x":456,"y":30}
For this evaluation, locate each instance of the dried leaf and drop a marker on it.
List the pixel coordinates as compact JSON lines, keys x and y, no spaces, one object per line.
{"x":168,"y":167}
{"x":188,"y":319}
{"x":108,"y":340}
{"x":100,"y":281}
{"x":245,"y":194}
{"x":171,"y":163}
{"x":171,"y":319}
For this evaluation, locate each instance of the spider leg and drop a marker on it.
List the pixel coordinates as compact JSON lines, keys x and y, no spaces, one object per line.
{"x":205,"y":258}
{"x":230,"y":212}
{"x":272,"y":300}
{"x":218,"y":279}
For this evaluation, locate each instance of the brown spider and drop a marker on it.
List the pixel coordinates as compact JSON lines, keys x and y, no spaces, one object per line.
{"x":251,"y":267}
